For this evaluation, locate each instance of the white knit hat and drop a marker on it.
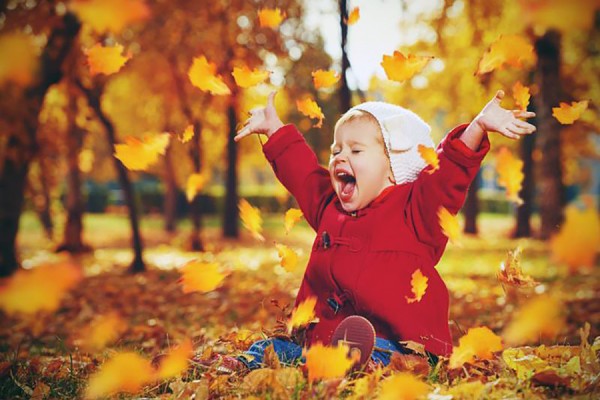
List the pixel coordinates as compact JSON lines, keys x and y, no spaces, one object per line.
{"x":403,"y":131}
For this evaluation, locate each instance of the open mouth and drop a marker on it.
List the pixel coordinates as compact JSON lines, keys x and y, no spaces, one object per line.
{"x":348,"y":184}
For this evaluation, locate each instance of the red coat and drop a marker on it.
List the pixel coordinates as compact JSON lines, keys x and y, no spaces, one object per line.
{"x":363,"y":261}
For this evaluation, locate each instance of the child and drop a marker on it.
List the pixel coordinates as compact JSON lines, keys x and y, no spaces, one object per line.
{"x":375,"y":214}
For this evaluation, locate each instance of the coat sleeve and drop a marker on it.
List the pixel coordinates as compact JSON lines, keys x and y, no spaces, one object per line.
{"x":447,"y":187}
{"x":297,"y":168}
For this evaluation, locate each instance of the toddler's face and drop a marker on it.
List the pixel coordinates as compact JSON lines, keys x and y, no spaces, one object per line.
{"x":358,"y":166}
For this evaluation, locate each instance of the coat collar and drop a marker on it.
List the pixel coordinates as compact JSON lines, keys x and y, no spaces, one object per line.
{"x":374,"y":204}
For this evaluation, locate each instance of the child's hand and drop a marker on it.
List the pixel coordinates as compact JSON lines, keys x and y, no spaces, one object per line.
{"x":495,"y":118}
{"x":262,"y":120}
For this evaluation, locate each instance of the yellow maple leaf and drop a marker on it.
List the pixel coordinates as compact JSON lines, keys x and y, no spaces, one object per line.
{"x":578,"y":241}
{"x":270,"y":17}
{"x":38,"y":289}
{"x":104,"y":330}
{"x":418,"y":285}
{"x":325,"y":79}
{"x":137,"y":155}
{"x":539,"y":317}
{"x":521,"y":95}
{"x":199,"y":276}
{"x":325,"y":362}
{"x":187,"y":134}
{"x":567,"y":114}
{"x":203,"y":75}
{"x":22,"y":64}
{"x":510,"y":174}
{"x":251,"y":219}
{"x":431,"y":158}
{"x":195,"y":183}
{"x":479,"y":342}
{"x":399,"y":67}
{"x":245,"y":77}
{"x":511,"y":273}
{"x":110,"y":15}
{"x":125,"y":372}
{"x":353,"y":16}
{"x":311,"y":109}
{"x":292,"y":216}
{"x":403,"y":386}
{"x":513,"y":50}
{"x":176,"y":361}
{"x":304,"y":314}
{"x":449,"y":224}
{"x":106,"y":60}
{"x":289,"y":258}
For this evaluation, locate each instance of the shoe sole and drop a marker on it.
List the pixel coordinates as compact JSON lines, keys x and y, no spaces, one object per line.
{"x":357,"y":333}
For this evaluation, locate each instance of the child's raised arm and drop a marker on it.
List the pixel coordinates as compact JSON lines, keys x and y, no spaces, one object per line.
{"x":262,"y":120}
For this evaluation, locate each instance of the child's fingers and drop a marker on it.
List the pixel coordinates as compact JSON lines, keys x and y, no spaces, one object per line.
{"x":508,"y":133}
{"x":525,"y":125}
{"x":271,"y":99}
{"x":523,"y":114}
{"x":499,"y":96}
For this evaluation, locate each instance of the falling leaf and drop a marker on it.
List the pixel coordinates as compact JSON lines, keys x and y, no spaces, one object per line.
{"x":176,"y":361}
{"x":567,"y":114}
{"x":86,"y":160}
{"x":403,"y":386}
{"x":110,"y":15}
{"x":125,"y":372}
{"x":104,"y":330}
{"x":510,"y":271}
{"x":513,"y":50}
{"x":187,"y":134}
{"x":418,"y":285}
{"x":292,"y":216}
{"x":399,"y":67}
{"x":353,"y":16}
{"x":106,"y":60}
{"x":203,"y":75}
{"x":199,"y":276}
{"x":194,"y":185}
{"x":38,"y":289}
{"x":20,"y":67}
{"x":521,"y":95}
{"x":539,"y":317}
{"x":431,"y":158}
{"x":311,"y":109}
{"x":251,"y":219}
{"x":479,"y":342}
{"x":270,"y":17}
{"x":449,"y":224}
{"x":304,"y":314}
{"x":510,"y":174}
{"x":245,"y":78}
{"x":325,"y":362}
{"x":137,"y":155}
{"x":325,"y":79}
{"x":289,"y":258}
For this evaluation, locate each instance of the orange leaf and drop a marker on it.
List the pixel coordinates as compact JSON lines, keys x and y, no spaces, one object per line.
{"x":539,"y":317}
{"x":324,"y":362}
{"x":203,"y":75}
{"x":431,"y":158}
{"x":403,"y":386}
{"x":270,"y":17}
{"x":176,"y":361}
{"x":245,"y":78}
{"x":187,"y":134}
{"x":199,"y":276}
{"x":399,"y":67}
{"x":513,"y":50}
{"x":418,"y":285}
{"x":38,"y":289}
{"x":194,"y":185}
{"x":125,"y":372}
{"x":325,"y":79}
{"x":311,"y":109}
{"x":110,"y":15}
{"x":289,"y":258}
{"x":478,"y":342}
{"x":106,"y":60}
{"x":304,"y":314}
{"x":449,"y":224}
{"x":137,"y":155}
{"x":104,"y":330}
{"x":521,"y":95}
{"x":292,"y":216}
{"x":251,"y":219}
{"x":353,"y":17}
{"x":567,"y":114}
{"x":511,"y":273}
{"x":510,"y":174}
{"x":20,"y":67}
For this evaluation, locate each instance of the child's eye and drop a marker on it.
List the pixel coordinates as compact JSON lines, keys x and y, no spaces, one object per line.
{"x":356,"y":151}
{"x":335,"y":153}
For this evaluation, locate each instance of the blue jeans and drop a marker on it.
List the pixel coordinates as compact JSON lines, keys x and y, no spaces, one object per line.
{"x":290,"y":353}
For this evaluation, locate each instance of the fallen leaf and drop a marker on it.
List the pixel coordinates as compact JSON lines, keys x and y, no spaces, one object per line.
{"x":415,"y":364}
{"x":251,"y":219}
{"x":125,"y":372}
{"x":513,"y":50}
{"x":567,"y":114}
{"x":325,"y":362}
{"x":106,"y":60}
{"x":289,"y":258}
{"x":431,"y":158}
{"x":270,"y":17}
{"x":203,"y":75}
{"x":403,"y":386}
{"x":199,"y":276}
{"x":245,"y":77}
{"x":292,"y":216}
{"x":418,"y":285}
{"x":325,"y":79}
{"x":510,"y":174}
{"x":138,"y":155}
{"x":311,"y":109}
{"x":521,"y":95}
{"x":479,"y":342}
{"x":399,"y":67}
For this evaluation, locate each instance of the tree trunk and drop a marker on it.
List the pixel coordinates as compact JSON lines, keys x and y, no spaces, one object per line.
{"x":551,"y":193}
{"x":471,"y":208}
{"x":345,"y":96}
{"x":170,"y":193}
{"x":231,"y":217}
{"x":195,"y":209}
{"x":13,"y":173}
{"x":44,"y":212}
{"x":523,"y":226}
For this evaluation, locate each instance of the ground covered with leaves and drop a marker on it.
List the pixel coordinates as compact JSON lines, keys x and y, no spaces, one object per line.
{"x":149,"y":316}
